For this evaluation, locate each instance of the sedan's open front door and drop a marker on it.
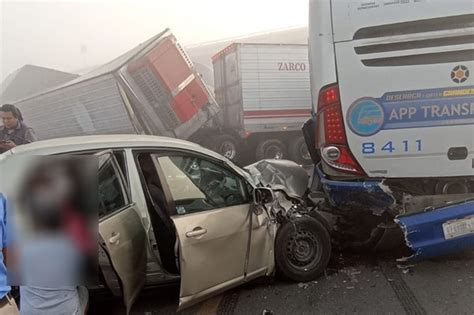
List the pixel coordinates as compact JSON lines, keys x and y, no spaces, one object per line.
{"x":211,"y":211}
{"x":120,"y":228}
{"x":213,"y":247}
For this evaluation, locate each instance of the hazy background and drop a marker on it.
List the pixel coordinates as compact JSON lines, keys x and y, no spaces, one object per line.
{"x":75,"y":35}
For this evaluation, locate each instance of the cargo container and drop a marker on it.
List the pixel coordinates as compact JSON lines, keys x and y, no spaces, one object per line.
{"x":151,"y":89}
{"x":264,"y":94}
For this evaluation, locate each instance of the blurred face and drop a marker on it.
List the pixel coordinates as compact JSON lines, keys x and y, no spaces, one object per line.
{"x":9,"y":121}
{"x":52,"y":188}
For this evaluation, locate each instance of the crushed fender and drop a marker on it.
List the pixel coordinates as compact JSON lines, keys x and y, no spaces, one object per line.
{"x":438,"y":231}
{"x":280,"y":175}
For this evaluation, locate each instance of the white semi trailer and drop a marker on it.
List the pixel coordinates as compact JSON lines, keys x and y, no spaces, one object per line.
{"x":264,"y":94}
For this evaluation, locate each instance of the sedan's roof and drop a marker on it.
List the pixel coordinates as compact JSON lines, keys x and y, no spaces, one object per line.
{"x":85,"y":143}
{"x":102,"y":142}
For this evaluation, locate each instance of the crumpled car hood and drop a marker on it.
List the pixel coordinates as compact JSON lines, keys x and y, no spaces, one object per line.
{"x":280,"y":175}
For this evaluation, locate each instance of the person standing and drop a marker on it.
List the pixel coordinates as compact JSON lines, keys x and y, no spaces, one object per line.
{"x":7,"y":303}
{"x":14,"y":131}
{"x":51,"y":249}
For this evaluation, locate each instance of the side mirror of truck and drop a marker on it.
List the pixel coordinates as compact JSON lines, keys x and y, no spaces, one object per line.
{"x":263,"y":195}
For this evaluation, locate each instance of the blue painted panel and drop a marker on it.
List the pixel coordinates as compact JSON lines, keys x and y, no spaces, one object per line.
{"x":367,"y":194}
{"x":424,"y":231}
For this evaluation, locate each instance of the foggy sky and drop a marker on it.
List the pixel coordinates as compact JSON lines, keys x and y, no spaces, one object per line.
{"x":73,"y":35}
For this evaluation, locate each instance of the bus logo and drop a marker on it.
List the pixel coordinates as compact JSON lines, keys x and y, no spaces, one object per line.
{"x":365,"y":117}
{"x":460,"y":74}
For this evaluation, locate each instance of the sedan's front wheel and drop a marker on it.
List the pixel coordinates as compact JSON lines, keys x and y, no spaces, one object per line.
{"x":302,"y":249}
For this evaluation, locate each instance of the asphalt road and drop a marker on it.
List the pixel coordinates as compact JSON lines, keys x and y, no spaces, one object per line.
{"x":362,"y":284}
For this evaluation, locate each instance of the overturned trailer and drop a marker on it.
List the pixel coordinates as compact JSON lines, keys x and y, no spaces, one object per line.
{"x":151,"y":89}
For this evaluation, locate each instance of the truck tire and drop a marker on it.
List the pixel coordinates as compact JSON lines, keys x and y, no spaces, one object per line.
{"x":270,"y":149}
{"x":226,"y":145}
{"x":302,"y":249}
{"x":299,"y":153}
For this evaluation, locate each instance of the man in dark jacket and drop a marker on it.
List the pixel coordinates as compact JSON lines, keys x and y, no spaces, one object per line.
{"x":14,"y":131}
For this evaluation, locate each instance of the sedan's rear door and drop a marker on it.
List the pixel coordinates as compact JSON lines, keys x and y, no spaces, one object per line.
{"x":120,"y":228}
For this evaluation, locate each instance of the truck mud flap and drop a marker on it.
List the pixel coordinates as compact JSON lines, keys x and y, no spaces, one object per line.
{"x":309,"y":129}
{"x":439,"y":231}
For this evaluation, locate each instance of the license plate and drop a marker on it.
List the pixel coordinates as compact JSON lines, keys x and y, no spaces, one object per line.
{"x":458,"y":228}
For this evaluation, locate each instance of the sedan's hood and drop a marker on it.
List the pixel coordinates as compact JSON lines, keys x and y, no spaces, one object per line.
{"x":280,"y":175}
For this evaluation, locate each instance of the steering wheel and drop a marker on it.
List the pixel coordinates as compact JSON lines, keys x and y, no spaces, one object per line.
{"x":235,"y":198}
{"x":216,"y":189}
{"x":213,"y":187}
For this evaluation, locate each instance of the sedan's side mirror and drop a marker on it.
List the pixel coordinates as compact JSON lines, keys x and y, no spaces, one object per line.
{"x":263,"y":195}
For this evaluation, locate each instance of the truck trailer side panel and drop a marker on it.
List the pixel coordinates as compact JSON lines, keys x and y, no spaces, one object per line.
{"x":269,"y":83}
{"x":90,"y":107}
{"x":275,"y":86}
{"x":264,"y":93}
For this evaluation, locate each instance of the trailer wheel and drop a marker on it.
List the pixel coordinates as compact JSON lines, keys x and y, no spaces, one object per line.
{"x":270,"y":149}
{"x":299,"y":151}
{"x":226,"y":145}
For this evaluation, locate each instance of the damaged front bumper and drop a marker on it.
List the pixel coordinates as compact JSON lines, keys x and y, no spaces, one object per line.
{"x":439,"y":231}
